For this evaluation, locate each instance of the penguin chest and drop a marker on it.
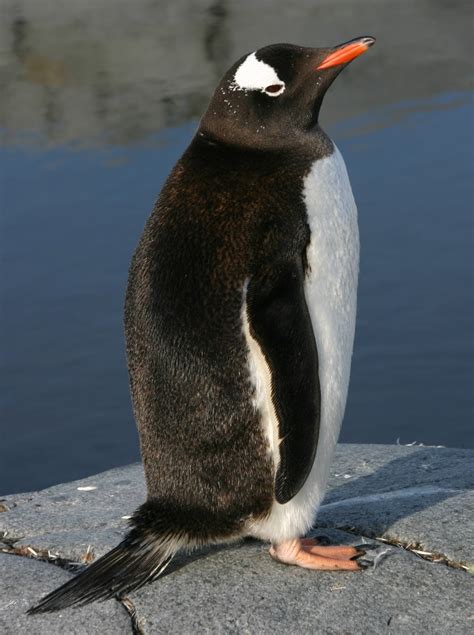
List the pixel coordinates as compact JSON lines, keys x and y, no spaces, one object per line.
{"x":331,"y":296}
{"x":330,"y":292}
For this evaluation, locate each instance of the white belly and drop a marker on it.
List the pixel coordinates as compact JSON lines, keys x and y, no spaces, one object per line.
{"x":331,"y":295}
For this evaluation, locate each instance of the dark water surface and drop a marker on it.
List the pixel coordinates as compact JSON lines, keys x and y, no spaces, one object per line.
{"x":97,"y":105}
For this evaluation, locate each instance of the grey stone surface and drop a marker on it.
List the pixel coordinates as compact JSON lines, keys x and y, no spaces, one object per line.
{"x":22,"y":581}
{"x":240,"y":589}
{"x":67,"y":520}
{"x":418,"y":495}
{"x":414,"y":495}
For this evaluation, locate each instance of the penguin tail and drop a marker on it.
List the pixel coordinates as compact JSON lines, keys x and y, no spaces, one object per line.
{"x":140,"y":558}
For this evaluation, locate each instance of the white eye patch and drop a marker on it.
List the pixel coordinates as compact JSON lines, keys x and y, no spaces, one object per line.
{"x":254,"y":74}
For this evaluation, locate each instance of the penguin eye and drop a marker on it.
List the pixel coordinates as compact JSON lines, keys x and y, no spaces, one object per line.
{"x":275,"y":89}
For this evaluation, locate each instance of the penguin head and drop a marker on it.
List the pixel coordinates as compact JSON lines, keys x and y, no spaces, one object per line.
{"x":272,"y":96}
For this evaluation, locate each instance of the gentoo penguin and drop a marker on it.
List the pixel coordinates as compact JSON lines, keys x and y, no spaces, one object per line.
{"x":239,"y":318}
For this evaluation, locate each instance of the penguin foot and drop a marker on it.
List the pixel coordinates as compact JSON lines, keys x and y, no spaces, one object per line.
{"x":308,"y":554}
{"x":341,"y":552}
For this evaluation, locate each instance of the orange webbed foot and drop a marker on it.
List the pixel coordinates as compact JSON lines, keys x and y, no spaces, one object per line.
{"x":307,"y":553}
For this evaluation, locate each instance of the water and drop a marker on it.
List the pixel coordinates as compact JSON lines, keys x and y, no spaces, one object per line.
{"x":97,"y":105}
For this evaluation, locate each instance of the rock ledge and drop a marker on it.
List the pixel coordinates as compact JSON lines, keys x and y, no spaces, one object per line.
{"x":418,"y":499}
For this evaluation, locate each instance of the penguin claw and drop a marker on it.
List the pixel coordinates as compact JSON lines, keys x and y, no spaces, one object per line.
{"x":358,"y":554}
{"x":366,"y":545}
{"x":371,"y":555}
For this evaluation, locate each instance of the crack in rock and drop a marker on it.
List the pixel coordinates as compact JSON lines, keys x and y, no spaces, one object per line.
{"x":131,"y":609}
{"x":421,"y":552}
{"x":415,"y":548}
{"x":45,"y":555}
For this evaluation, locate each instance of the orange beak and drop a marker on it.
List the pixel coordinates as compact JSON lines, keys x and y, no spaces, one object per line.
{"x":346,"y":52}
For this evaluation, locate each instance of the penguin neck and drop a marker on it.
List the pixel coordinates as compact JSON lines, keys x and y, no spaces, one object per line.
{"x":314,"y":141}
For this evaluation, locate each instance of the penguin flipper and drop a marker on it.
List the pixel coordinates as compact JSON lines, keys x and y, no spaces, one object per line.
{"x":280,"y":322}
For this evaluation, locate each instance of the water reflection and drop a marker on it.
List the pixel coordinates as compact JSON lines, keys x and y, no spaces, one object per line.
{"x":117,"y":72}
{"x":403,"y":112}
